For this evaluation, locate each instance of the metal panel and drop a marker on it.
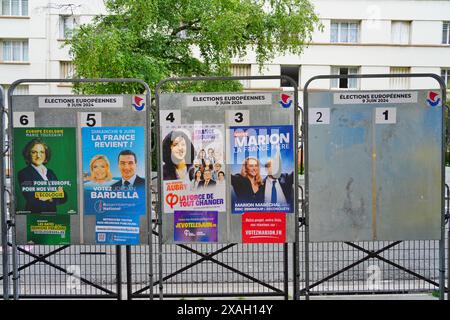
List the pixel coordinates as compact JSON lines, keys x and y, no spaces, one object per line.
{"x":375,"y":181}
{"x":208,"y":113}
{"x":82,"y":226}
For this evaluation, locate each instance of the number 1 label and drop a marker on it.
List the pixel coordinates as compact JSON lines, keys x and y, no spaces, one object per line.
{"x":385,"y":115}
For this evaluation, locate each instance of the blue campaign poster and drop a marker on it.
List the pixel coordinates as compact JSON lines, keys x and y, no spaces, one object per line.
{"x":117,"y":229}
{"x":262,"y":168}
{"x":114,"y":170}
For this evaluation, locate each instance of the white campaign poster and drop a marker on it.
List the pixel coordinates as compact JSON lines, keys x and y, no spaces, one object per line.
{"x":193,"y":167}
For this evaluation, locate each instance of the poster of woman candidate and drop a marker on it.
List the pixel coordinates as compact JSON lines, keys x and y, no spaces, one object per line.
{"x":193,"y":167}
{"x":262,"y":168}
{"x":45,"y":171}
{"x":114,"y":181}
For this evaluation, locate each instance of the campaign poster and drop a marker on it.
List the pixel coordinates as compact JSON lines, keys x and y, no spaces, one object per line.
{"x":193,"y":167}
{"x":117,"y":229}
{"x":264,"y":227}
{"x":45,"y":171}
{"x":261,"y":162}
{"x":43,"y":229}
{"x":195,"y":226}
{"x":113,"y":170}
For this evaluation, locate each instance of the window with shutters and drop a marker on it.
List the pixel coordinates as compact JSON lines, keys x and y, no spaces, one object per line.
{"x":400,"y":32}
{"x":242,"y":70}
{"x":67,"y":70}
{"x":400,"y":83}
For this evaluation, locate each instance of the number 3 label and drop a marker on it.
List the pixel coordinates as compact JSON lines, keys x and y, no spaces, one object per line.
{"x":23,"y":119}
{"x":238,"y":117}
{"x":385,"y":115}
{"x":91,"y":119}
{"x":319,"y":116}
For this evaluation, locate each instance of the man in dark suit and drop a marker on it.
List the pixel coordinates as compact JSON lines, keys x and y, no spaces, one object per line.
{"x":127,"y":165}
{"x":36,"y":154}
{"x":207,"y":181}
{"x":277,"y":186}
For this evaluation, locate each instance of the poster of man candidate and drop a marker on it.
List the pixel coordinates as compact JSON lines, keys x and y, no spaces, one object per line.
{"x":114,"y":181}
{"x":193,"y":167}
{"x":262,"y":168}
{"x":45,"y":171}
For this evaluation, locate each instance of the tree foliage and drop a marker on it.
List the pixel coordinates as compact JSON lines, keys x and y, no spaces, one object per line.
{"x":155,"y":39}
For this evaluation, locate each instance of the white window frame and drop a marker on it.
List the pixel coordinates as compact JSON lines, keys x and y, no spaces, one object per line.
{"x":8,"y":44}
{"x":66,"y":29}
{"x":445,"y":74}
{"x":405,"y":28}
{"x":446,"y":32}
{"x":341,"y":32}
{"x":352,"y":84}
{"x":66,"y":66}
{"x":396,"y":83}
{"x":22,"y":9}
{"x":242,"y":69}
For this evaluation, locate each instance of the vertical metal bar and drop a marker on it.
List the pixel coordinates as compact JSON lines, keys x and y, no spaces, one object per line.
{"x":295,"y":257}
{"x":129,"y":279}
{"x":119,"y":272}
{"x":158,"y":206}
{"x":443,"y":150}
{"x":306,"y":199}
{"x":286,"y":270}
{"x":12,"y":209}
{"x":3,"y":208}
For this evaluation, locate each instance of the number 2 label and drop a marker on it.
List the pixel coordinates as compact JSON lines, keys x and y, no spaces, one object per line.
{"x":319,"y":116}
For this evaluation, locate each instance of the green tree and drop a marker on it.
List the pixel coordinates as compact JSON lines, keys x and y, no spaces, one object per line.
{"x":155,"y":39}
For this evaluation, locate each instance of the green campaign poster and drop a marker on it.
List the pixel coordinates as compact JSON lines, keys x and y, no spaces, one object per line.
{"x":45,"y":171}
{"x":43,"y":229}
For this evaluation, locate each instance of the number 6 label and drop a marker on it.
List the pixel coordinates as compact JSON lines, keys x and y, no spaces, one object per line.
{"x":385,"y":115}
{"x":319,"y":116}
{"x":91,"y":119}
{"x":23,"y":119}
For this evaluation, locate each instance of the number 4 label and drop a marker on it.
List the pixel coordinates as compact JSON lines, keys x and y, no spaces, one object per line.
{"x":319,"y":116}
{"x":170,"y":117}
{"x":23,"y":119}
{"x":385,"y":115}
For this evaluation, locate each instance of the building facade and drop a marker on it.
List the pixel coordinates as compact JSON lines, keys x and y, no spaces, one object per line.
{"x":373,"y":36}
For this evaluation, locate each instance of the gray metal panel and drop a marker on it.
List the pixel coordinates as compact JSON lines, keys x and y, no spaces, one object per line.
{"x":230,"y":230}
{"x":68,"y":118}
{"x":371,"y":181}
{"x":408,"y":169}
